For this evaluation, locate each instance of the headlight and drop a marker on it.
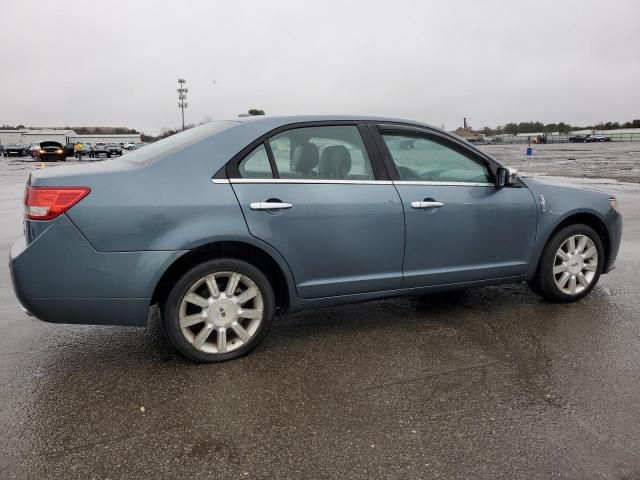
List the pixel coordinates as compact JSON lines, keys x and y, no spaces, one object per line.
{"x":614,"y":204}
{"x":59,"y":150}
{"x":41,"y":151}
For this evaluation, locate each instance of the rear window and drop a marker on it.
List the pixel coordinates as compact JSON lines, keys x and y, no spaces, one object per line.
{"x":323,"y":153}
{"x":175,"y":142}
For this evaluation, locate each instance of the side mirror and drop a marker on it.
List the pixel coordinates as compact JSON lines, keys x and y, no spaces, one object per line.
{"x":506,"y":177}
{"x":501,"y":177}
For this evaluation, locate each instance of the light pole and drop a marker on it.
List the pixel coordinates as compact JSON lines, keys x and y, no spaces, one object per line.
{"x":182,"y":97}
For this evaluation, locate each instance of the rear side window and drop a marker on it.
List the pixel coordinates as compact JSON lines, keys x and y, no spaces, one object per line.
{"x":256,"y":164}
{"x":421,"y":158}
{"x":322,"y":153}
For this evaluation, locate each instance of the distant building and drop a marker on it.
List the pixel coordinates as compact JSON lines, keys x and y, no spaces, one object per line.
{"x":10,"y":136}
{"x":592,"y":131}
{"x":532,"y":135}
{"x":37,"y":136}
{"x":114,"y":138}
{"x":27,"y":137}
{"x":464,"y":132}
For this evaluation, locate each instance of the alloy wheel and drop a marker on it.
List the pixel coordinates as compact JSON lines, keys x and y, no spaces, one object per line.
{"x":575,"y":264}
{"x":221,"y":312}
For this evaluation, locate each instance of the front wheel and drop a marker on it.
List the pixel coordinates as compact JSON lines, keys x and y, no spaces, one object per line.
{"x":570,"y":265}
{"x":219,"y":310}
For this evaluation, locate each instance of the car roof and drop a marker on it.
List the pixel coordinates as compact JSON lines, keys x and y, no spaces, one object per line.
{"x":271,"y":122}
{"x":278,"y":121}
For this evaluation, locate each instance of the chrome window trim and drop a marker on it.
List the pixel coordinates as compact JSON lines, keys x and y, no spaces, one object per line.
{"x":349,"y":182}
{"x":444,"y":184}
{"x":302,"y":181}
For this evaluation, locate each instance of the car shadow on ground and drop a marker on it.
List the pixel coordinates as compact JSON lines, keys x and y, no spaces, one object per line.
{"x":481,"y":314}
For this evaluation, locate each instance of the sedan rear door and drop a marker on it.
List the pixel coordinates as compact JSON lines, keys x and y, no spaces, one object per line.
{"x":320,"y":197}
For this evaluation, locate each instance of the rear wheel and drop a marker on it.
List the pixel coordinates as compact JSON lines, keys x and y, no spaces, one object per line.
{"x":570,"y":265}
{"x":219,"y":310}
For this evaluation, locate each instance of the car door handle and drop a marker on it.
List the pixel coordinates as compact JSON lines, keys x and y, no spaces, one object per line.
{"x":425,"y":204}
{"x":270,"y":205}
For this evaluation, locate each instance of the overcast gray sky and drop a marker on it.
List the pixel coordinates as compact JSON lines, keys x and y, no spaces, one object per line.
{"x":116,"y":63}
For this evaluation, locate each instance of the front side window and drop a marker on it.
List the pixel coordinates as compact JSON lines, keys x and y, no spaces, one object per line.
{"x":256,"y":164}
{"x":420,"y":158}
{"x":322,"y":153}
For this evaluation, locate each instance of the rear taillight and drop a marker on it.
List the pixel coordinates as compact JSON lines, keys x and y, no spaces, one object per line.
{"x":45,"y":203}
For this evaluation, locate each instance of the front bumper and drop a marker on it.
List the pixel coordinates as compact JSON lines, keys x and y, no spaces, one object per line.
{"x":60,"y":278}
{"x":614,"y":229}
{"x":52,"y":156}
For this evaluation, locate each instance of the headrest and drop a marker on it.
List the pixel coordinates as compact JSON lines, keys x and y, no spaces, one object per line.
{"x":305,"y":158}
{"x":335,"y":162}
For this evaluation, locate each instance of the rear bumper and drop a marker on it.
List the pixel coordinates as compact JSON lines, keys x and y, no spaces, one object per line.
{"x":61,"y":278}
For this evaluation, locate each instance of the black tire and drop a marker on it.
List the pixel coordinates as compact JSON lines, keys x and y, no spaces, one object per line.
{"x":171,"y":322}
{"x":533,"y":285}
{"x":544,"y":283}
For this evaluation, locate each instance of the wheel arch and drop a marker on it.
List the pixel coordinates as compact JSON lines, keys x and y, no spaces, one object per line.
{"x":258,"y":257}
{"x":586,"y":218}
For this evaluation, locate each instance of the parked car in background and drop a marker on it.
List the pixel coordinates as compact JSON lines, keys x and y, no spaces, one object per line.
{"x":51,"y":152}
{"x":114,"y":149}
{"x":15,"y":150}
{"x":100,"y":148}
{"x":221,"y":224}
{"x":87,"y":149}
{"x":598,"y":138}
{"x":589,"y":138}
{"x":130,"y":146}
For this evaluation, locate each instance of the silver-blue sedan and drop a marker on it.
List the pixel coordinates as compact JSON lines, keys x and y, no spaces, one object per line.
{"x":223,"y":224}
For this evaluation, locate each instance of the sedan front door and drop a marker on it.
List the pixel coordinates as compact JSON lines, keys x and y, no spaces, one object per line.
{"x":459,"y":226}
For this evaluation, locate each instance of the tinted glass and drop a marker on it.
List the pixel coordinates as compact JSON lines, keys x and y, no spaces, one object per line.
{"x":323,"y":153}
{"x":256,"y":164}
{"x":422,"y":159}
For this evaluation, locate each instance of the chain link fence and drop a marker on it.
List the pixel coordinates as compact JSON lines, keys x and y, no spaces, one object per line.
{"x":565,"y":138}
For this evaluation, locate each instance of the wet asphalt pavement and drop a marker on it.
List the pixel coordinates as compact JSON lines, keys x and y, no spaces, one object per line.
{"x":488,"y":383}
